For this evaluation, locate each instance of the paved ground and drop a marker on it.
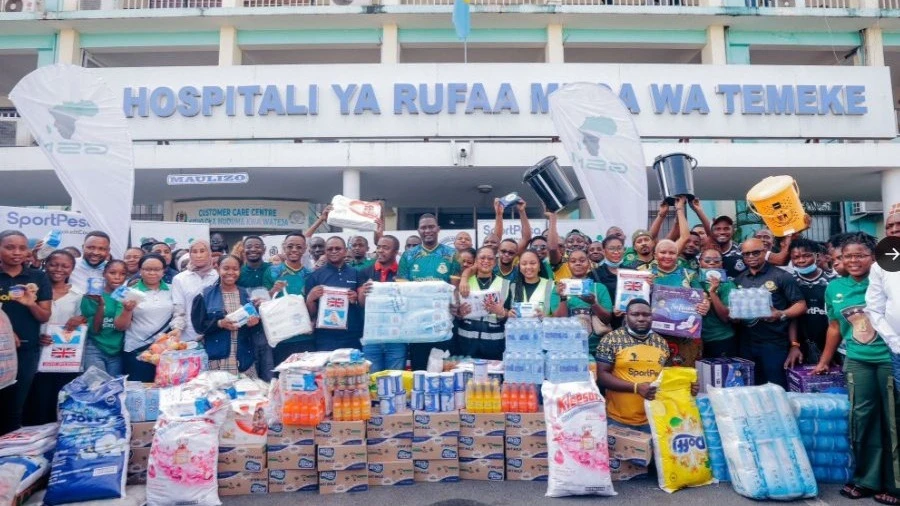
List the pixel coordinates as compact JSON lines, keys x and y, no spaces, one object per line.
{"x":478,"y":493}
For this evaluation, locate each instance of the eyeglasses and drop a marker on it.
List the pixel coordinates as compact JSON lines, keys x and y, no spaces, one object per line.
{"x":615,"y":249}
{"x":754,"y":253}
{"x":854,"y":258}
{"x":507,"y":252}
{"x":539,"y":248}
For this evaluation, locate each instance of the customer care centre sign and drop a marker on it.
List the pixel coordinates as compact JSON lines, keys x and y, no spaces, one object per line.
{"x":505,"y":100}
{"x":244,"y":214}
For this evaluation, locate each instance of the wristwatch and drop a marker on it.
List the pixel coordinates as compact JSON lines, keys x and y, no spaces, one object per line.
{"x":783,"y":316}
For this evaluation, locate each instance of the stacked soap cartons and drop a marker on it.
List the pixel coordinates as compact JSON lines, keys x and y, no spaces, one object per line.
{"x":630,"y":452}
{"x":435,"y":447}
{"x":292,"y":458}
{"x":481,"y":446}
{"x":389,"y":446}
{"x":243,"y":459}
{"x":142,"y":402}
{"x":341,"y":457}
{"x":526,"y":447}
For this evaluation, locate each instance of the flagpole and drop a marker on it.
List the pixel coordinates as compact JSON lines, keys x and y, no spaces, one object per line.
{"x":466,"y":50}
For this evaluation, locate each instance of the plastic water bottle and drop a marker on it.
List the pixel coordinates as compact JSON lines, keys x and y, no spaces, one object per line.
{"x":51,"y":243}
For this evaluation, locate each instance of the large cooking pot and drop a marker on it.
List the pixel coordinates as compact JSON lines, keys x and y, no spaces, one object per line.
{"x":548,"y":180}
{"x":675,"y":173}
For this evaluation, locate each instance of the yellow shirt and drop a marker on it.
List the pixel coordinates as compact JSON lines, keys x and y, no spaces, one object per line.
{"x":635,"y":361}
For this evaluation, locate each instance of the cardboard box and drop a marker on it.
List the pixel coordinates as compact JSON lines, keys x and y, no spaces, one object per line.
{"x":136,"y":478}
{"x":801,"y":379}
{"x":724,"y":372}
{"x":482,"y":424}
{"x":244,"y":429}
{"x":138,"y":459}
{"x":623,"y":470}
{"x":629,"y":444}
{"x":341,"y":433}
{"x":341,"y":458}
{"x":481,"y":469}
{"x":436,"y":424}
{"x":390,"y":426}
{"x":395,"y":474}
{"x":339,"y":482}
{"x":280,"y":435}
{"x":481,"y":447}
{"x":527,"y":469}
{"x":292,"y":457}
{"x":23,"y":496}
{"x":142,"y":434}
{"x":389,"y":450}
{"x":526,"y":447}
{"x":525,"y":424}
{"x":281,"y":480}
{"x":435,"y":448}
{"x":436,"y":471}
{"x":243,"y":458}
{"x":243,"y":483}
{"x":142,"y":401}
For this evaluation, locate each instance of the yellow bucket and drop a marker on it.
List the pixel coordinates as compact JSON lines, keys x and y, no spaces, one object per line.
{"x":776,"y":199}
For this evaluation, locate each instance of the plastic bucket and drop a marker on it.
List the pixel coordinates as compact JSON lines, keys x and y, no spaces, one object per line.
{"x":776,"y":199}
{"x":548,"y":180}
{"x":675,"y":174}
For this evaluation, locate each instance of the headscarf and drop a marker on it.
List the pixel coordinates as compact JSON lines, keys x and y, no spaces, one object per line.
{"x":202,"y":270}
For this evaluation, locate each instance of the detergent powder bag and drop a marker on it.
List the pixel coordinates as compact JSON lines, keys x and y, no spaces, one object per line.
{"x":575,"y":415}
{"x":682,"y":459}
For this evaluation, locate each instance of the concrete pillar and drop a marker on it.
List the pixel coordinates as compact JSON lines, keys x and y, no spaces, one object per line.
{"x":229,"y":51}
{"x":873,"y":47}
{"x":68,"y":47}
{"x":554,"y":52}
{"x":890,"y":189}
{"x":351,"y":178}
{"x":390,"y":44}
{"x":715,"y":50}
{"x":168,"y":210}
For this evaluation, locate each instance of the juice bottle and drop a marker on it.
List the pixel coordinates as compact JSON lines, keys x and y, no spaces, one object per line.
{"x":513,"y":401}
{"x":286,"y":412}
{"x":320,"y":404}
{"x":304,"y":417}
{"x":469,"y":397}
{"x":505,"y":396}
{"x":356,"y":403}
{"x":338,"y":408}
{"x":474,"y":403}
{"x":366,"y":405}
{"x":495,"y":396}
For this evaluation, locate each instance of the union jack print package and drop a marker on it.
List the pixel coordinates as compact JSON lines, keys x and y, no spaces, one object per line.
{"x":66,"y":352}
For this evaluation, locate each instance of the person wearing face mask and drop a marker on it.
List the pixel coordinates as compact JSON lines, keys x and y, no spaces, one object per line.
{"x":629,"y":360}
{"x":608,"y":271}
{"x":813,"y":281}
{"x":597,"y":304}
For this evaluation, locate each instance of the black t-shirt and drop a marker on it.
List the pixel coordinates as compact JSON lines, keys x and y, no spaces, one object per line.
{"x":814,"y":324}
{"x":785,"y":293}
{"x":603,"y":276}
{"x":733,"y":262}
{"x":24,"y":324}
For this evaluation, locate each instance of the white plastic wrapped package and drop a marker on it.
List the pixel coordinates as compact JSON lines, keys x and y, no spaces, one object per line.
{"x":355,"y":214}
{"x":575,"y":415}
{"x":478,"y":301}
{"x":35,"y":468}
{"x":184,"y":456}
{"x":92,"y":445}
{"x":28,"y":435}
{"x":823,"y":420}
{"x":10,"y":477}
{"x":416,"y":312}
{"x":9,"y":360}
{"x":713,"y":440}
{"x":40,"y":447}
{"x":765,"y":455}
{"x":284,"y":318}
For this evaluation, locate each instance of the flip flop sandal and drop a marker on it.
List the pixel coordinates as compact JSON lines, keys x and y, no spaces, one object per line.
{"x":887,"y":499}
{"x":856,"y":492}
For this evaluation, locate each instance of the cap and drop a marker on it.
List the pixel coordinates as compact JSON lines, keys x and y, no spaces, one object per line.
{"x":724,"y":218}
{"x":148,"y":242}
{"x":640,"y":233}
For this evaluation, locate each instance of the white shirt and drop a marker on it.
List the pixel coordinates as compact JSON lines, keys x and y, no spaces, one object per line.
{"x":62,"y":309}
{"x":148,"y":317}
{"x":81,"y":273}
{"x":883,"y":305}
{"x":185,"y":287}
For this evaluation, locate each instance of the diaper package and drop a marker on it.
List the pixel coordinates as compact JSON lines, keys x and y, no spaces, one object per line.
{"x":765,"y":454}
{"x":682,"y":459}
{"x":355,"y":214}
{"x":575,"y":417}
{"x":713,"y":439}
{"x":284,"y":318}
{"x":416,"y":312}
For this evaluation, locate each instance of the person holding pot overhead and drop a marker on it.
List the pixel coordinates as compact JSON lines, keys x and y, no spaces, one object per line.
{"x":229,"y":346}
{"x":594,"y":310}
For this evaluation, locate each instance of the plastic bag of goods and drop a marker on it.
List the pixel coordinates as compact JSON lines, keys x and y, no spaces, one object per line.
{"x":92,"y":445}
{"x":165,"y":342}
{"x":765,"y":454}
{"x":179,"y":367}
{"x":575,"y":416}
{"x":713,"y":439}
{"x":681,"y":457}
{"x":355,"y":214}
{"x":823,"y":420}
{"x":284,"y":318}
{"x":10,"y":476}
{"x":9,"y":360}
{"x":35,"y":469}
{"x":183,"y":463}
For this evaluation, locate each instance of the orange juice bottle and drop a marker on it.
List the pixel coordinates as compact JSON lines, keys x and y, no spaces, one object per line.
{"x":338,"y":405}
{"x":532,"y":399}
{"x":356,"y":405}
{"x":495,"y":397}
{"x":366,"y":405}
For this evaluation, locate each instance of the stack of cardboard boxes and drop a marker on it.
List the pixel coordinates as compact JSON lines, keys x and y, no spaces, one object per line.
{"x":526,"y":447}
{"x":630,"y":452}
{"x":292,"y":459}
{"x":243,"y":459}
{"x":435,"y":447}
{"x":481,"y":446}
{"x":389,"y":446}
{"x":341,"y":457}
{"x":139,"y":456}
{"x":142,"y":403}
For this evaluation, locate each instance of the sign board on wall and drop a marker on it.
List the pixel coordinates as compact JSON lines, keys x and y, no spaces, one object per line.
{"x":176,"y":234}
{"x":245,"y":214}
{"x":36,"y":223}
{"x":512,"y":229}
{"x":451,"y":100}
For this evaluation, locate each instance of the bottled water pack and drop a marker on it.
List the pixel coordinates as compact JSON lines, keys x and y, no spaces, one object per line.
{"x":523,"y":367}
{"x":749,"y":303}
{"x":523,"y":334}
{"x":564,"y":334}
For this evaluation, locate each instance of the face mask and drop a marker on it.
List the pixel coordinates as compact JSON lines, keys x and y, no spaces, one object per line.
{"x":635,"y":332}
{"x":614,"y":265}
{"x":803,"y":271}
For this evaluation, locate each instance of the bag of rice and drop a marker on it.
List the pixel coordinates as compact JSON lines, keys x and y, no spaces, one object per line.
{"x":575,"y":415}
{"x":680,"y":453}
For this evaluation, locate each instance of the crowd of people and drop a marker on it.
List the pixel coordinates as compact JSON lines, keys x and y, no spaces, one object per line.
{"x":831,"y":305}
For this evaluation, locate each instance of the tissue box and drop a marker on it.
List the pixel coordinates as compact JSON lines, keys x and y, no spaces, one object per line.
{"x":525,"y":424}
{"x":481,"y":447}
{"x":527,"y":469}
{"x":526,"y":447}
{"x":390,"y":426}
{"x":341,"y":458}
{"x":243,"y":483}
{"x":244,"y":458}
{"x":339,"y":482}
{"x":341,"y":433}
{"x":280,"y":434}
{"x":436,"y":424}
{"x":481,"y":469}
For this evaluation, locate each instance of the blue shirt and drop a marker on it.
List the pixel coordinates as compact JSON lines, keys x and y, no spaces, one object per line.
{"x":345,"y":277}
